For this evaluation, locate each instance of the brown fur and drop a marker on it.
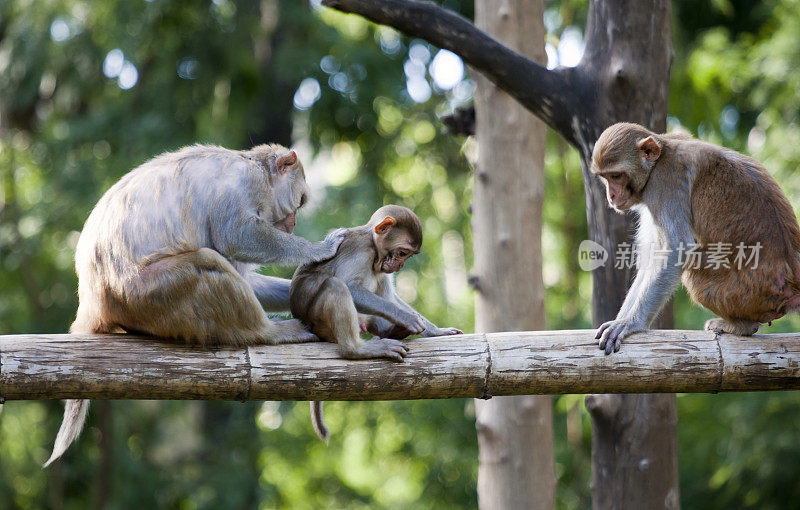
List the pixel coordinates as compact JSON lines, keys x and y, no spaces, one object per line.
{"x":735,"y":200}
{"x":320,"y":297}
{"x":337,"y":297}
{"x":732,"y":199}
{"x":195,"y":296}
{"x":170,"y":250}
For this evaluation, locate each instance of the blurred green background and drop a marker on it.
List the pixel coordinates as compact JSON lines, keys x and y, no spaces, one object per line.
{"x":90,"y":89}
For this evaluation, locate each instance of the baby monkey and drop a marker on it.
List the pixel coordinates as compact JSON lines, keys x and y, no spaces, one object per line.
{"x":353,"y":292}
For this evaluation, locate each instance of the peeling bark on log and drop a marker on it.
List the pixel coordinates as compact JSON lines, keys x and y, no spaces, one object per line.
{"x":35,"y":367}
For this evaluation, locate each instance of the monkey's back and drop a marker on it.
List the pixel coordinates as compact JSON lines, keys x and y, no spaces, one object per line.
{"x":731,"y":198}
{"x":311,"y":282}
{"x":162,"y":206}
{"x":314,"y":286}
{"x":735,"y":201}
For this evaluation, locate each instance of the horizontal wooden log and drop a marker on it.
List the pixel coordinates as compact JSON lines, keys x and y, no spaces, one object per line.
{"x":513,"y":363}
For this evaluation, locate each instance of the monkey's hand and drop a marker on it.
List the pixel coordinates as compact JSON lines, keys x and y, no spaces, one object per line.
{"x":378,"y":348}
{"x":444,"y":332}
{"x":611,"y":333}
{"x":327,"y":248}
{"x":411,"y":321}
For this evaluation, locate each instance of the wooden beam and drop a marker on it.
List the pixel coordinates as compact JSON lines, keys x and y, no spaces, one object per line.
{"x":513,"y":363}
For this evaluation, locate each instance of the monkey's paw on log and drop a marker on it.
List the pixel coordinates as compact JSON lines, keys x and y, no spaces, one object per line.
{"x":734,"y":327}
{"x":447,"y":332}
{"x":611,"y":333}
{"x":412,"y":322}
{"x":291,"y":331}
{"x":377,"y":347}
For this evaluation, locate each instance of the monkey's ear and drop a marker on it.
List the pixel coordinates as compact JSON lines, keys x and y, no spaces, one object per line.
{"x":650,"y":148}
{"x":284,"y":163}
{"x":385,"y":224}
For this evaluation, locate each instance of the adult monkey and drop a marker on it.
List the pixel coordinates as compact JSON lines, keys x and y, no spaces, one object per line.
{"x":171,"y":250}
{"x":714,"y":201}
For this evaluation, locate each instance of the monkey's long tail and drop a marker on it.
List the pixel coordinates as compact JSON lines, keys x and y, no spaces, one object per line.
{"x":318,"y":420}
{"x":74,"y":416}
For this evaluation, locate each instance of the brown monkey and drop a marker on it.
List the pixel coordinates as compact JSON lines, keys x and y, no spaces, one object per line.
{"x":328,"y":296}
{"x":696,"y":197}
{"x":171,"y":250}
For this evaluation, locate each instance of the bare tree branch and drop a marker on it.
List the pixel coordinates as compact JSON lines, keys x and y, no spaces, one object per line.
{"x":545,"y":93}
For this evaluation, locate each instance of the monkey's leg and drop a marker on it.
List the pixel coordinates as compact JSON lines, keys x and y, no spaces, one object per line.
{"x":738,"y":298}
{"x":272,"y":292}
{"x":199,"y":296}
{"x":739,"y":327}
{"x":335,"y":307}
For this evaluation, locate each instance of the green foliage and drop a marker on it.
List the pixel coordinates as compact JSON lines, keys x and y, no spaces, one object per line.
{"x":739,"y":450}
{"x":381,"y":454}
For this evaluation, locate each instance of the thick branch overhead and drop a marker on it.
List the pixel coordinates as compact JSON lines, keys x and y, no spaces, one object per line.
{"x":543,"y":92}
{"x":541,"y":362}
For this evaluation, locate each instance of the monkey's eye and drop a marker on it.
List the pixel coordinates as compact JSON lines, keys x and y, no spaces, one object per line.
{"x":302,"y":201}
{"x":614,"y":176}
{"x":402,"y":253}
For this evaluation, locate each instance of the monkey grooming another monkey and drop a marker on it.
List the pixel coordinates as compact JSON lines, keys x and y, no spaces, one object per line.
{"x":328,"y":296}
{"x":171,"y":250}
{"x":705,"y":207}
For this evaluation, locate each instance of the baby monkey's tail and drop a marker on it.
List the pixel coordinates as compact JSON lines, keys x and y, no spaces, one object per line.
{"x":318,"y":420}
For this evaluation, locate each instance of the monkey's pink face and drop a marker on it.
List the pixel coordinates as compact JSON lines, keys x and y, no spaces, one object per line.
{"x":394,"y":245}
{"x":395,"y":259}
{"x":618,"y":192}
{"x":287,"y":224}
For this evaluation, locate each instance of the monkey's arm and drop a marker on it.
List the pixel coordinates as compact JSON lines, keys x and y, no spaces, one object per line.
{"x":272,"y":292}
{"x":387,"y":291}
{"x":249,"y":238}
{"x":385,"y":329}
{"x":655,"y":281}
{"x":431,"y":329}
{"x":369,"y":303}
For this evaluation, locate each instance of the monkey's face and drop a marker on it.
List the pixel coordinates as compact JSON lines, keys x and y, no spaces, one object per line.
{"x":619,"y":192}
{"x":395,"y":259}
{"x":623,"y":158}
{"x":290,"y":191}
{"x":394,"y":244}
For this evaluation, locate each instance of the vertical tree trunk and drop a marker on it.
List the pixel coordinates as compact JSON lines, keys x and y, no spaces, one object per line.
{"x":634,"y":451}
{"x":634,"y":437}
{"x":623,"y":76}
{"x":514,"y":433}
{"x":272,"y":115}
